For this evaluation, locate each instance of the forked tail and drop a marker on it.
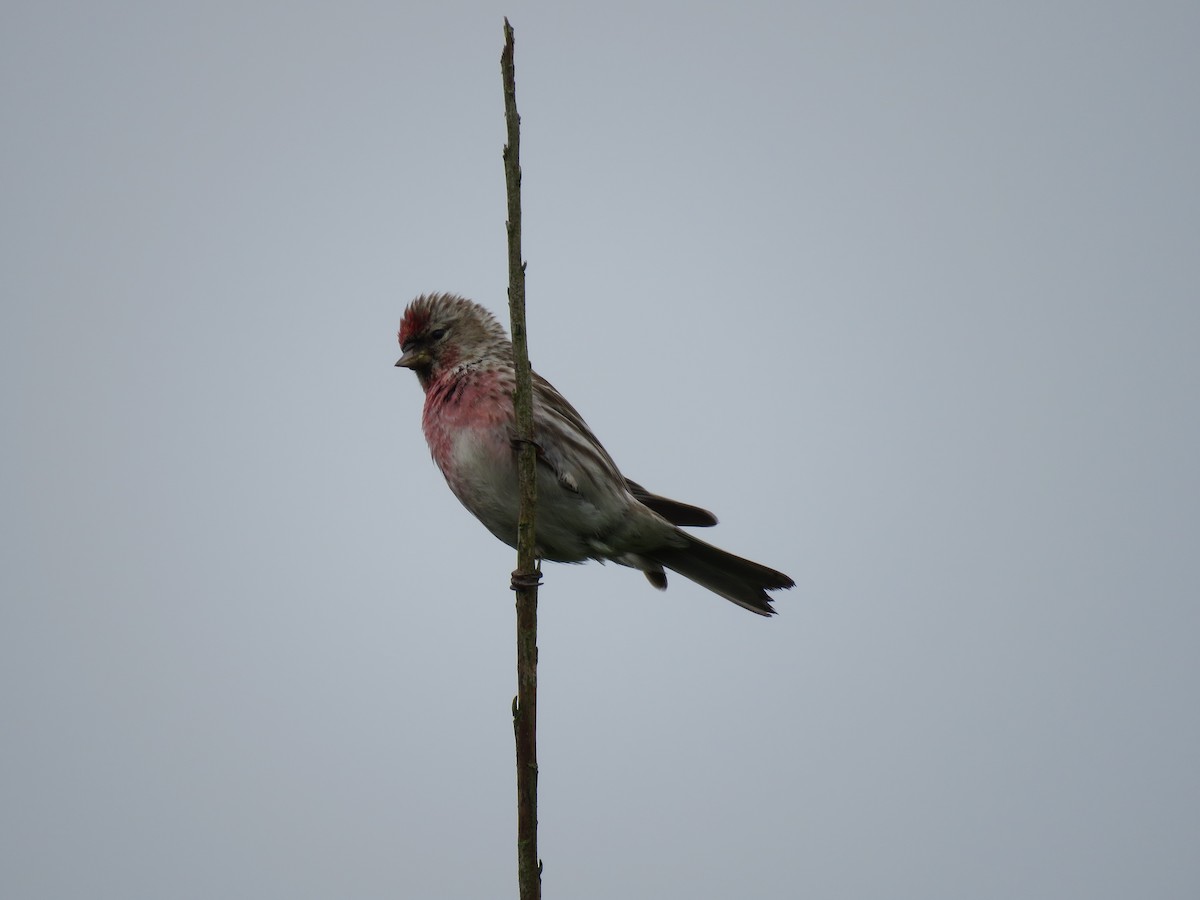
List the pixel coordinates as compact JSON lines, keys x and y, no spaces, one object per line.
{"x":736,"y":579}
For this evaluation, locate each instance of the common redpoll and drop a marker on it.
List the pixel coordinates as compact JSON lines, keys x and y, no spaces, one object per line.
{"x":586,"y":509}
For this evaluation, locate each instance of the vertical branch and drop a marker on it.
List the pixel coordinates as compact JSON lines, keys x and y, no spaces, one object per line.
{"x":525,"y":578}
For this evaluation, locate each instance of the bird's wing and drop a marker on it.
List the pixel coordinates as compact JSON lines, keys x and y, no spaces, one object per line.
{"x":566,"y":444}
{"x":672,"y":510}
{"x":579,"y":461}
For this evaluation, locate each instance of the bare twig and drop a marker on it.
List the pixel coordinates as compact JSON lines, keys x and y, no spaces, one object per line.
{"x":525,"y":578}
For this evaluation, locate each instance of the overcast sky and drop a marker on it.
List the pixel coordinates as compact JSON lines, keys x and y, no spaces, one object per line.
{"x":908,"y":294}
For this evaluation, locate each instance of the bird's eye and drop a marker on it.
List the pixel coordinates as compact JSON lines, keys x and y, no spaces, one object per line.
{"x":437,"y":334}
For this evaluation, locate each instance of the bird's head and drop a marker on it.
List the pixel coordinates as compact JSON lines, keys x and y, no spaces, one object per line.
{"x":439,"y":332}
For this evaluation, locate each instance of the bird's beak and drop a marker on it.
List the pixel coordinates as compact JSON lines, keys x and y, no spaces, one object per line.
{"x":413,"y":359}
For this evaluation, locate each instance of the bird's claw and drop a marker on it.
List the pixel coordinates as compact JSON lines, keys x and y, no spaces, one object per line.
{"x":518,"y":441}
{"x":526,"y":582}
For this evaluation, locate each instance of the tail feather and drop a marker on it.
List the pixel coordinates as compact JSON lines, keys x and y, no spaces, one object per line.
{"x":736,"y":579}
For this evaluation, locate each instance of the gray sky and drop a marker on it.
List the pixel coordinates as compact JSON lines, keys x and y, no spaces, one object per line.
{"x":908,"y":296}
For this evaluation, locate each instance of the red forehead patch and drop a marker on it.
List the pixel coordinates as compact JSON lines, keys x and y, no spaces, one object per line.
{"x":416,"y":320}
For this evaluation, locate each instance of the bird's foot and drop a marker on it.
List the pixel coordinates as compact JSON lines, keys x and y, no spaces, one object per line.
{"x":525,"y":582}
{"x":518,"y":441}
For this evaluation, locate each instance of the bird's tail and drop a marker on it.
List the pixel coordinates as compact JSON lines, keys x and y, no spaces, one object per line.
{"x":744,"y":582}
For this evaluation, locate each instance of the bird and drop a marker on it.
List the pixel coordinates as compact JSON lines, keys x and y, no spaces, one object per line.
{"x":586,"y":509}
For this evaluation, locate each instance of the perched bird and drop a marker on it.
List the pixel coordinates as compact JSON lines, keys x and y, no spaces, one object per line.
{"x":586,"y":509}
